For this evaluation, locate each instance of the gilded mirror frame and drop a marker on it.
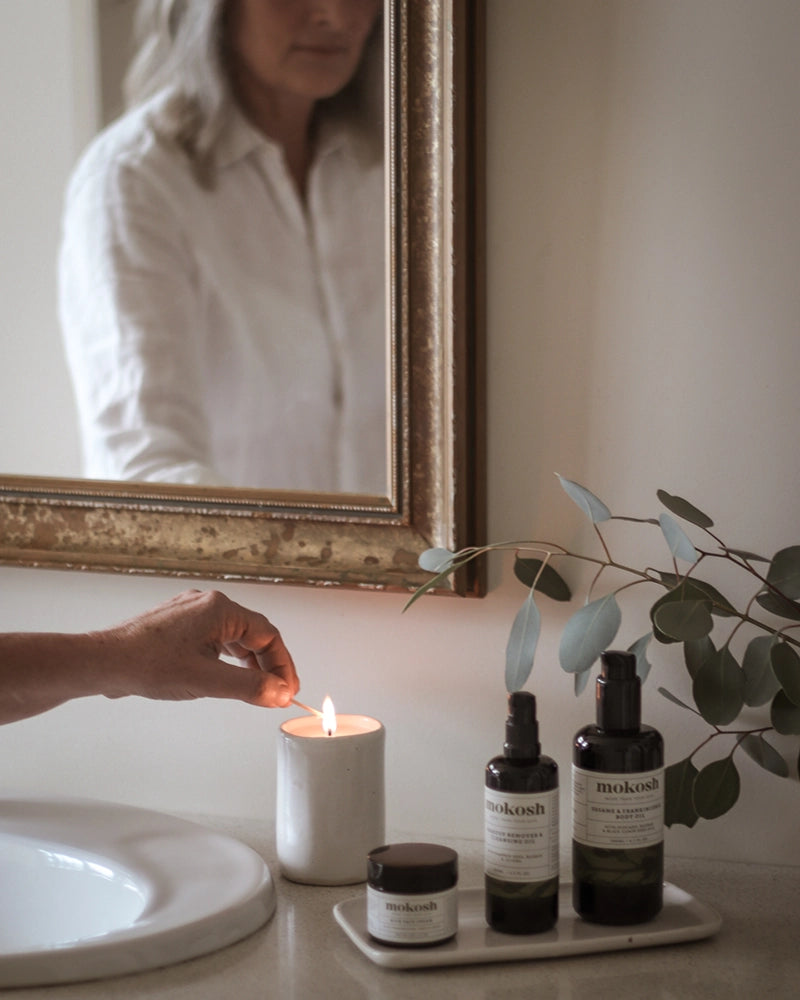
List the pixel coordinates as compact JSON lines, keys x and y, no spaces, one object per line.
{"x":436,"y":496}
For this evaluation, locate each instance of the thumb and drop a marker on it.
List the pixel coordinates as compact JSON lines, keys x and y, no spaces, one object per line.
{"x":269,"y":690}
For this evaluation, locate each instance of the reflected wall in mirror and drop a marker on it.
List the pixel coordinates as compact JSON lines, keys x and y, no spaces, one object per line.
{"x":433,"y":68}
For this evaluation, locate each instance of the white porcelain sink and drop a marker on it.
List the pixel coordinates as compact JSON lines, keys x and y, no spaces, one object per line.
{"x":92,"y":889}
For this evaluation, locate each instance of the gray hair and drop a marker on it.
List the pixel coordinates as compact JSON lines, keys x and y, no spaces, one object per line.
{"x":181,"y":47}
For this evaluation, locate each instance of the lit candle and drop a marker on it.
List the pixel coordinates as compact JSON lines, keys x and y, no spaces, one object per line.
{"x":330,"y":796}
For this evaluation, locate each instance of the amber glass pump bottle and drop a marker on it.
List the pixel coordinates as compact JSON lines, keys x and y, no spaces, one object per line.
{"x":521,"y":827}
{"x":618,"y":804}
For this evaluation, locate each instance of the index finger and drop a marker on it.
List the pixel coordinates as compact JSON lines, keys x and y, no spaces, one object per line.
{"x":262,"y":645}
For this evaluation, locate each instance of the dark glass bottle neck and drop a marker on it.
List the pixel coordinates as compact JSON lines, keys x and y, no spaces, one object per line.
{"x":619,"y":705}
{"x":522,"y":729}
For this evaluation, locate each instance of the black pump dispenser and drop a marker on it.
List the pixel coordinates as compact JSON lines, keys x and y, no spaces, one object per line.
{"x":619,"y":693}
{"x":522,"y":729}
{"x":618,"y":803}
{"x":521,"y":827}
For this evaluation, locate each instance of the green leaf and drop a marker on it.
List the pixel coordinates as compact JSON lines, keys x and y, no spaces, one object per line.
{"x":716,"y":788}
{"x":436,"y":560}
{"x":680,"y":545}
{"x":691,"y":589}
{"x":786,"y":666}
{"x":785,"y":715}
{"x":684,"y":621}
{"x":784,"y":571}
{"x":696,"y":652}
{"x":760,"y":682}
{"x":639,"y":650}
{"x":777,"y":605}
{"x":765,"y":755}
{"x":684,"y":509}
{"x":459,"y":560}
{"x":718,"y":688}
{"x":594,"y":509}
{"x":747,"y":556}
{"x":588,"y":633}
{"x":550,"y":582}
{"x":671,"y":697}
{"x":521,"y":647}
{"x":679,"y":782}
{"x":581,"y":680}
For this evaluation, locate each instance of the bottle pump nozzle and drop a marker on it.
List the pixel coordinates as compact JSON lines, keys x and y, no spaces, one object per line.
{"x":522,"y":729}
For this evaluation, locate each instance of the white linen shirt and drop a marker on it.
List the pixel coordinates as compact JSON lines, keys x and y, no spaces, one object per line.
{"x":233,"y":335}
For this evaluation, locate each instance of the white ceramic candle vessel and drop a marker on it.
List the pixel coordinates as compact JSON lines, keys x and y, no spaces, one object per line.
{"x":330,"y":798}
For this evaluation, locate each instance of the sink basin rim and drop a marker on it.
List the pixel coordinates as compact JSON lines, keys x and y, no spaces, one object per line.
{"x":207,"y":890}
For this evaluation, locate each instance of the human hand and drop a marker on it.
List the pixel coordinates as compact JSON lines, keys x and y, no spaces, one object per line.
{"x":172,"y":652}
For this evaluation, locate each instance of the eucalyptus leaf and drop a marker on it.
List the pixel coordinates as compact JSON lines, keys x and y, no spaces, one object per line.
{"x":436,"y":560}
{"x":521,"y":647}
{"x":588,"y":633}
{"x":684,"y":509}
{"x":639,"y":650}
{"x":581,"y":680}
{"x":424,"y":588}
{"x":716,"y":788}
{"x":671,"y":697}
{"x":786,"y":666}
{"x":784,"y":571}
{"x":549,"y":581}
{"x":696,"y":652}
{"x":434,"y":581}
{"x":680,"y":545}
{"x":684,"y":621}
{"x":747,"y":556}
{"x":784,"y":715}
{"x":777,"y":605}
{"x":760,"y":682}
{"x":691,"y":589}
{"x":679,"y":782}
{"x":765,"y":755}
{"x":594,"y":508}
{"x":718,"y":688}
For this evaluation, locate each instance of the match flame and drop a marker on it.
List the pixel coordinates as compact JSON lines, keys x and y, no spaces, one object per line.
{"x":328,"y":716}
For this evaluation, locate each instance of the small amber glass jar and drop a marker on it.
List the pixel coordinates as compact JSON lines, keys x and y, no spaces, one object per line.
{"x":411,"y":894}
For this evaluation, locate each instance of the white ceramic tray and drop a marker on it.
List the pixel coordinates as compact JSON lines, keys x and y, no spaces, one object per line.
{"x":683,"y":918}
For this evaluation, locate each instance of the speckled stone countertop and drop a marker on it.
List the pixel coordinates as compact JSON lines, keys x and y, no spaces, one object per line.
{"x":302,"y":953}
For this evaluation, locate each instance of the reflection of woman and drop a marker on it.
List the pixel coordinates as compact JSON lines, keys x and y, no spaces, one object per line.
{"x":222,"y":265}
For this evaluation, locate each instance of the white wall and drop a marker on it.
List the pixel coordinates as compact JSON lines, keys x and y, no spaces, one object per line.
{"x":644,"y":234}
{"x":42,"y":129}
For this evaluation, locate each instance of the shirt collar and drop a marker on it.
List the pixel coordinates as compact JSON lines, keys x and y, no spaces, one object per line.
{"x":239,"y":139}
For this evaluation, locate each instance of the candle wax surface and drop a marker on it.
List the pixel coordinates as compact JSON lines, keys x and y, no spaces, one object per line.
{"x":346,"y":725}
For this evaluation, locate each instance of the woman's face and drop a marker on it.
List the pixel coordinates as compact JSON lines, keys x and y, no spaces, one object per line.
{"x":300,"y":48}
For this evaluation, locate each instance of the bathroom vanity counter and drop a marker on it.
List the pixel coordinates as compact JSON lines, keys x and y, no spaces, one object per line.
{"x":302,"y":953}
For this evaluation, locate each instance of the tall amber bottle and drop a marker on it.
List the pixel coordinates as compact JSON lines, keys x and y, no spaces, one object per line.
{"x":618,"y":804}
{"x":521,"y":827}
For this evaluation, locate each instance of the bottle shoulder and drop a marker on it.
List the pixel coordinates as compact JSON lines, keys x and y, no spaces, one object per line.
{"x":509,"y":774}
{"x":597,"y":750}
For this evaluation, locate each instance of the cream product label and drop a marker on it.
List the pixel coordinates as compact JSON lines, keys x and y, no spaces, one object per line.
{"x":521,"y":835}
{"x":406,"y":918}
{"x":620,"y":811}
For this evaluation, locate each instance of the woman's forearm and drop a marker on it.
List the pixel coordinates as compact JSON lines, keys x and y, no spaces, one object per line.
{"x":40,"y":670}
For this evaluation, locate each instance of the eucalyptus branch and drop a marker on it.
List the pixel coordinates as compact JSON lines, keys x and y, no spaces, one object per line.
{"x":599,"y":534}
{"x":686,"y":613}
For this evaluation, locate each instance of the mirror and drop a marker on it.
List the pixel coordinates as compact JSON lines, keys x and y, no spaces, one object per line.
{"x":433,"y":68}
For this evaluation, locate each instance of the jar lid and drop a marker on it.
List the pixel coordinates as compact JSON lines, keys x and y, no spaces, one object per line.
{"x":412,"y":868}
